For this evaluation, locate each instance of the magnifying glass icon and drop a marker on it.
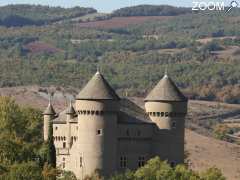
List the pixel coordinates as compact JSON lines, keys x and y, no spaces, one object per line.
{"x":233,"y":4}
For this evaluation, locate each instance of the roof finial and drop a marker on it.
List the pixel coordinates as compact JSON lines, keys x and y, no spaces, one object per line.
{"x":98,"y":70}
{"x":50,"y":99}
{"x":166,"y":72}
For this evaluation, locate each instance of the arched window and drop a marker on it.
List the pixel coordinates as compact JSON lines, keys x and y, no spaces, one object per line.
{"x":92,"y":112}
{"x":88,"y":112}
{"x":97,"y":112}
{"x":84,"y":112}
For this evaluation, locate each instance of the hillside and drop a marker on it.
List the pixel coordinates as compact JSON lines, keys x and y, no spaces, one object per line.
{"x":151,"y":10}
{"x":22,"y":15}
{"x":204,"y":151}
{"x":133,"y":52}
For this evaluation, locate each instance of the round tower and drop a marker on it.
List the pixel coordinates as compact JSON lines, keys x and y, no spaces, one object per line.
{"x":167,"y":107}
{"x":48,"y":116}
{"x":70,"y":112}
{"x":97,"y":106}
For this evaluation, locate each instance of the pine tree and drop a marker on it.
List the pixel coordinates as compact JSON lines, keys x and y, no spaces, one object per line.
{"x":51,"y":151}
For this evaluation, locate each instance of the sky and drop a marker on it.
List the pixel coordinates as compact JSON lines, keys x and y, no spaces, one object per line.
{"x":106,"y":5}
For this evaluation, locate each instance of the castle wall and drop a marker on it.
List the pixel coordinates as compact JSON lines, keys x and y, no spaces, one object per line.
{"x":134,"y":145}
{"x":60,"y":134}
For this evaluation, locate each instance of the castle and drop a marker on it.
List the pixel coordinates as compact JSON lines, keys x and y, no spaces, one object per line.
{"x":106,"y":133}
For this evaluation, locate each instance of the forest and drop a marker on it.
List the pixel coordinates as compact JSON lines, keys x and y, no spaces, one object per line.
{"x":201,"y":59}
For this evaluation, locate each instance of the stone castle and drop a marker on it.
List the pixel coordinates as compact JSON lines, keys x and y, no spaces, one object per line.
{"x":103,"y":132}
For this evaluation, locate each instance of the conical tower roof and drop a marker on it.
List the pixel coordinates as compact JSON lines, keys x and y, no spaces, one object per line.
{"x":165,"y":90}
{"x":49,"y":110}
{"x":70,"y":109}
{"x":97,"y":89}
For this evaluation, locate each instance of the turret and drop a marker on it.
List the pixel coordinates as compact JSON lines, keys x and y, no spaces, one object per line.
{"x":48,"y":116}
{"x":97,"y":106}
{"x":167,"y":107}
{"x":70,"y":112}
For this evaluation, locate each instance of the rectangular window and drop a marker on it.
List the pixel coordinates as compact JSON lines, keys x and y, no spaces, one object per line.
{"x":64,"y":144}
{"x":63,"y":164}
{"x":123,"y":162}
{"x":81,"y":162}
{"x":99,"y":132}
{"x":174,"y":124}
{"x":141,"y":161}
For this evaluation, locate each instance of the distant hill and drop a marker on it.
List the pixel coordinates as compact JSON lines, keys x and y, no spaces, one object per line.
{"x":21,"y":15}
{"x":151,"y":10}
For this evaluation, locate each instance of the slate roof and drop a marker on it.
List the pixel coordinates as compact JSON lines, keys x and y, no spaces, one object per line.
{"x":97,"y":89}
{"x":129,"y":113}
{"x":165,"y":90}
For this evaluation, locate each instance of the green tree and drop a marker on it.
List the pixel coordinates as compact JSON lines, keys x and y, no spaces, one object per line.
{"x":212,"y":174}
{"x":51,"y":151}
{"x":24,"y":171}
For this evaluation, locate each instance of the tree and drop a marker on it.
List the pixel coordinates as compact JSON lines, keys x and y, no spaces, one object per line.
{"x":155,"y":169}
{"x":24,"y":171}
{"x":51,"y":151}
{"x":49,"y":173}
{"x":67,"y":175}
{"x":212,"y":174}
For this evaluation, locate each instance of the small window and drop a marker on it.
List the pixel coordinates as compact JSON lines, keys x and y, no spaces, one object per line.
{"x":88,"y":112}
{"x":63,"y":164}
{"x":141,"y":161}
{"x":158,"y":114}
{"x":64,"y":145}
{"x":84,"y":112}
{"x":99,"y":132}
{"x":150,"y":113}
{"x":64,"y":138}
{"x":174,"y":124}
{"x":154,"y":113}
{"x":63,"y":158}
{"x":138,"y":133}
{"x":162,"y":114}
{"x":127,"y":132}
{"x":81,"y":162}
{"x":56,"y":128}
{"x":123,"y":162}
{"x":97,"y":112}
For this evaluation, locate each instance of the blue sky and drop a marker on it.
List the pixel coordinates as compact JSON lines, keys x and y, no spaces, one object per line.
{"x":104,"y":5}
